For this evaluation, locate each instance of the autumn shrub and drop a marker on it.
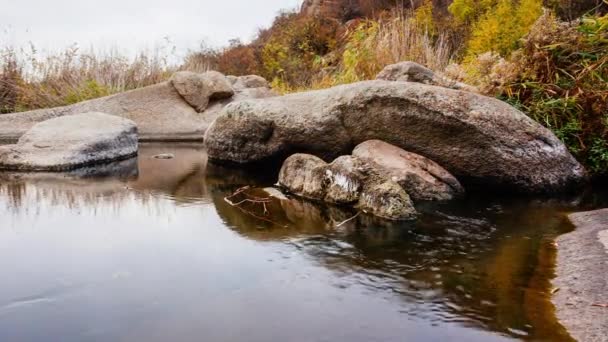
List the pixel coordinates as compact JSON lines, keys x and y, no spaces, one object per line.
{"x":291,"y":53}
{"x":563,"y":83}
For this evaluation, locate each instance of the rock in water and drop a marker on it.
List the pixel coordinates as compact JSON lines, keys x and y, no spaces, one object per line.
{"x":421,"y":178}
{"x":347,"y":180}
{"x":70,"y":142}
{"x":478,"y":139}
{"x":302,"y":174}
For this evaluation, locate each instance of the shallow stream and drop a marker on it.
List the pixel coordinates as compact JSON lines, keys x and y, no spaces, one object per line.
{"x":149,"y":250}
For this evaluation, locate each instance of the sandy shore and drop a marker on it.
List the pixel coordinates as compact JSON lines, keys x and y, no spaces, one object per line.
{"x":582,"y":277}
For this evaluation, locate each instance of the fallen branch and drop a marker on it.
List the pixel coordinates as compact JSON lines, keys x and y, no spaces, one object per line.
{"x":250,"y":199}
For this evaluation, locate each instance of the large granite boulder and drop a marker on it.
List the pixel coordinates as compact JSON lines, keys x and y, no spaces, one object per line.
{"x":480,"y":140}
{"x":414,"y":72}
{"x":346,"y":181}
{"x":70,"y":142}
{"x":423,"y":179}
{"x":160,"y":111}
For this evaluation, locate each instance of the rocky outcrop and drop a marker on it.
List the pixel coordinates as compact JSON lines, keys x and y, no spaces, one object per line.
{"x":199,"y":89}
{"x":478,"y":139}
{"x":160,"y":111}
{"x":581,"y":283}
{"x":346,"y":181}
{"x":414,"y":72}
{"x":422,"y":178}
{"x":69,"y":142}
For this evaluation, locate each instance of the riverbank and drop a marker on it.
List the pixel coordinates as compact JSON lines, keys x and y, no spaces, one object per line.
{"x":582,"y":277}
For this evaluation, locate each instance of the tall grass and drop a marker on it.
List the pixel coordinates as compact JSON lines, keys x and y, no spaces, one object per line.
{"x":31,"y":80}
{"x":400,"y":37}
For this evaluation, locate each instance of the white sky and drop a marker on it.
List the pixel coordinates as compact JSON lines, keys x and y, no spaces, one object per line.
{"x":133,"y":25}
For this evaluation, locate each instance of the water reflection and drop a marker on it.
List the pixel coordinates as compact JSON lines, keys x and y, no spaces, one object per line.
{"x":176,"y":251}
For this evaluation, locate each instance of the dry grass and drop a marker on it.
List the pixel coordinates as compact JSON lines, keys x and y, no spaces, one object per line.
{"x":30,"y":80}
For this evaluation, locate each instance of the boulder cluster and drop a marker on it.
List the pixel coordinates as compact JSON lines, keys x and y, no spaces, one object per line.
{"x":379,"y":178}
{"x":410,"y":135}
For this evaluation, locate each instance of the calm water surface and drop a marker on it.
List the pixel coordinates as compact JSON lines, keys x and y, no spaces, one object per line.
{"x":148,"y":250}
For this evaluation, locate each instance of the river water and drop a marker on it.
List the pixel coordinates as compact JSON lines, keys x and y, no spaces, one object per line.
{"x":149,"y":250}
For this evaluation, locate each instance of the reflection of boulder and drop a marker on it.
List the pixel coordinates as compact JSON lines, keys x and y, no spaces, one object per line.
{"x":182,"y":176}
{"x":278,"y":218}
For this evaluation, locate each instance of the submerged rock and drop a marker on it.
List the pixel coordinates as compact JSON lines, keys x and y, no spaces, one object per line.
{"x":414,"y":72}
{"x":480,"y":140}
{"x":347,"y":180}
{"x":422,"y":178}
{"x":70,"y":142}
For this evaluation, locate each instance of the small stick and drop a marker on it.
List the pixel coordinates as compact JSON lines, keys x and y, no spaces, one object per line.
{"x":350,"y":219}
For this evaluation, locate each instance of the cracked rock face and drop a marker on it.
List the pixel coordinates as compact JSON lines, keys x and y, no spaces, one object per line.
{"x":423,"y":179}
{"x":481,"y":140}
{"x":346,"y":181}
{"x":70,"y":142}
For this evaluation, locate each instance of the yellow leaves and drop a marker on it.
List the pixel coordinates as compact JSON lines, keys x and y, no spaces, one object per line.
{"x":501,"y":27}
{"x":423,"y":17}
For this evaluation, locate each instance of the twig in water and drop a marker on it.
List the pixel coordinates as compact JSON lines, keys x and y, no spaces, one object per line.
{"x":250,"y":199}
{"x":350,"y":219}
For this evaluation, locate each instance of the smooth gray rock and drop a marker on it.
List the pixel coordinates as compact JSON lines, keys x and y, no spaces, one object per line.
{"x":414,"y":72}
{"x":70,"y":142}
{"x":421,"y":178}
{"x":160,"y":112}
{"x":480,"y":140}
{"x":346,"y":181}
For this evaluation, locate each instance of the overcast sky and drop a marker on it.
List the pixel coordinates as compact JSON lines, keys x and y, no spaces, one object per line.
{"x":132,"y":25}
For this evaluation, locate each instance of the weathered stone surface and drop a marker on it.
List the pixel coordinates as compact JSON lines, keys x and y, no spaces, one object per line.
{"x":251,"y":81}
{"x":581,"y":277}
{"x":421,"y":178}
{"x":199,"y":89}
{"x":218,"y":85}
{"x":480,"y":140}
{"x":303,"y":175}
{"x":70,"y":142}
{"x":414,"y":72}
{"x":387,"y":200}
{"x":160,"y":112}
{"x":347,"y":180}
{"x":192,"y":88}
